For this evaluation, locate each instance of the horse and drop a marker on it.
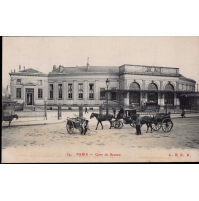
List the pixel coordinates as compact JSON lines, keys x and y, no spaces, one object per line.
{"x":101,"y":117}
{"x":144,"y":120}
{"x":9,"y":118}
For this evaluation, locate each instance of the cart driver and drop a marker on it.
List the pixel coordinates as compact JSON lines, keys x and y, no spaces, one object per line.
{"x":121,"y":112}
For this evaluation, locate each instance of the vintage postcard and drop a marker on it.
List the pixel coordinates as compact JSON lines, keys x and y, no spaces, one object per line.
{"x":100,"y":99}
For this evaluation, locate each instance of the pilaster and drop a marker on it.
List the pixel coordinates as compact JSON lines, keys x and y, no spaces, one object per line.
{"x":143,"y":84}
{"x":12,"y":89}
{"x":64,"y":91}
{"x":75,"y":91}
{"x":85,"y":91}
{"x":96,"y":94}
{"x":161,"y":85}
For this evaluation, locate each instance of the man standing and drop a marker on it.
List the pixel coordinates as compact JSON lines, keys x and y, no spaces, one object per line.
{"x":183,"y":113}
{"x":138,"y":124}
{"x":86,"y":111}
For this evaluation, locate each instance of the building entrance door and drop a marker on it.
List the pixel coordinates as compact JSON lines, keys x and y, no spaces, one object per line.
{"x":29,"y":96}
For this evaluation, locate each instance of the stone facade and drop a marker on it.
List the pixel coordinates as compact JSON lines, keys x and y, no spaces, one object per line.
{"x":73,"y":86}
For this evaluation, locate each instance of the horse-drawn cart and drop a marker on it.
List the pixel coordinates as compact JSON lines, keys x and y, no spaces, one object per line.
{"x":79,"y":123}
{"x":8,"y":110}
{"x":126,"y":119}
{"x":163,"y":121}
{"x":160,"y":120}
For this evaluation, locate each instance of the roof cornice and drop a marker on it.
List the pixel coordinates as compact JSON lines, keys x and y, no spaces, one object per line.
{"x":29,"y":74}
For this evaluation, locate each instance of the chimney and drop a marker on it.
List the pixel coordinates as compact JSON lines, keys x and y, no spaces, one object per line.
{"x":14,"y":70}
{"x":24,"y":67}
{"x":60,"y":68}
{"x":19,"y":67}
{"x":88,"y":64}
{"x":11,"y":71}
{"x":54,"y":67}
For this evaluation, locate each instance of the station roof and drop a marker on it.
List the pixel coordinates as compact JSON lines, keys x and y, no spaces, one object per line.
{"x":28,"y":72}
{"x":83,"y":69}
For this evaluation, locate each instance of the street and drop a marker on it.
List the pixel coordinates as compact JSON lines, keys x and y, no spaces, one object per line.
{"x":52,"y":143}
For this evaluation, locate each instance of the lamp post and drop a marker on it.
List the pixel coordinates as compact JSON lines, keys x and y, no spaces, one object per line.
{"x":107,"y":83}
{"x":45,"y":106}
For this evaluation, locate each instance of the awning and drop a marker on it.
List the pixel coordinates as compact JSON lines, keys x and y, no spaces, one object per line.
{"x":145,"y":91}
{"x":196,"y":94}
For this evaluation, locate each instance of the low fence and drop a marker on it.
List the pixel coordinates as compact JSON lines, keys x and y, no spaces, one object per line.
{"x":50,"y":112}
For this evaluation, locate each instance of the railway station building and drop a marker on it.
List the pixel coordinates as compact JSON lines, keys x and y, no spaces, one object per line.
{"x":91,"y":86}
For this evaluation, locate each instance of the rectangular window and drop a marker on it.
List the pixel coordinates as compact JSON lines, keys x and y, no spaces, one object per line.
{"x":60,"y":90}
{"x":40,"y":93}
{"x":102,"y":94}
{"x":18,"y":93}
{"x":39,"y":82}
{"x":51,"y":91}
{"x":80,"y":88}
{"x":70,"y":91}
{"x":18,"y":82}
{"x":91,"y":91}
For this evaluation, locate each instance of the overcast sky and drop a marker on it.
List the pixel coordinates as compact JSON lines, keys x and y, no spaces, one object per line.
{"x":42,"y":53}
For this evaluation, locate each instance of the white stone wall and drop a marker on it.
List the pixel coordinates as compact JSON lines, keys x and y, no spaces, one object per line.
{"x":99,"y":80}
{"x":24,"y":86}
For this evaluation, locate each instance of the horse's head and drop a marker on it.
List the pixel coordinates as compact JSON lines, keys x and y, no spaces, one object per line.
{"x":92,"y":115}
{"x":16,"y":116}
{"x":134,"y":116}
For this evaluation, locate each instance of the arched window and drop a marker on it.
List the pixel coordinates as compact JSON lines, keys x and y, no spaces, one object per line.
{"x":134,"y":95}
{"x":169,"y":96}
{"x":135,"y":86}
{"x":152,"y":86}
{"x":169,"y":87}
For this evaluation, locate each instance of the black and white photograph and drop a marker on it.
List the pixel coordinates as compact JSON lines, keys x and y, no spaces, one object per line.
{"x":100,"y":99}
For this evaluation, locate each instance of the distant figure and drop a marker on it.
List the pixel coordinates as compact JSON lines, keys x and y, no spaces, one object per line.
{"x":86,"y":111}
{"x":183,"y":113}
{"x":121,"y":112}
{"x":114,"y":111}
{"x":138,"y":125}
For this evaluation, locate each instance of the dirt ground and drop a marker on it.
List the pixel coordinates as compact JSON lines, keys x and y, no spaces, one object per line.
{"x":52,"y":143}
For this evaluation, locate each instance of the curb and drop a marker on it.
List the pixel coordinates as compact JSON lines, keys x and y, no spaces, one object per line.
{"x":37,"y":124}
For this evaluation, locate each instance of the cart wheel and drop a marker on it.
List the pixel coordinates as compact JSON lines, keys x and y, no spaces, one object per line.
{"x":118,"y":124}
{"x":69,"y":127}
{"x":156,"y":126}
{"x":167,"y":125}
